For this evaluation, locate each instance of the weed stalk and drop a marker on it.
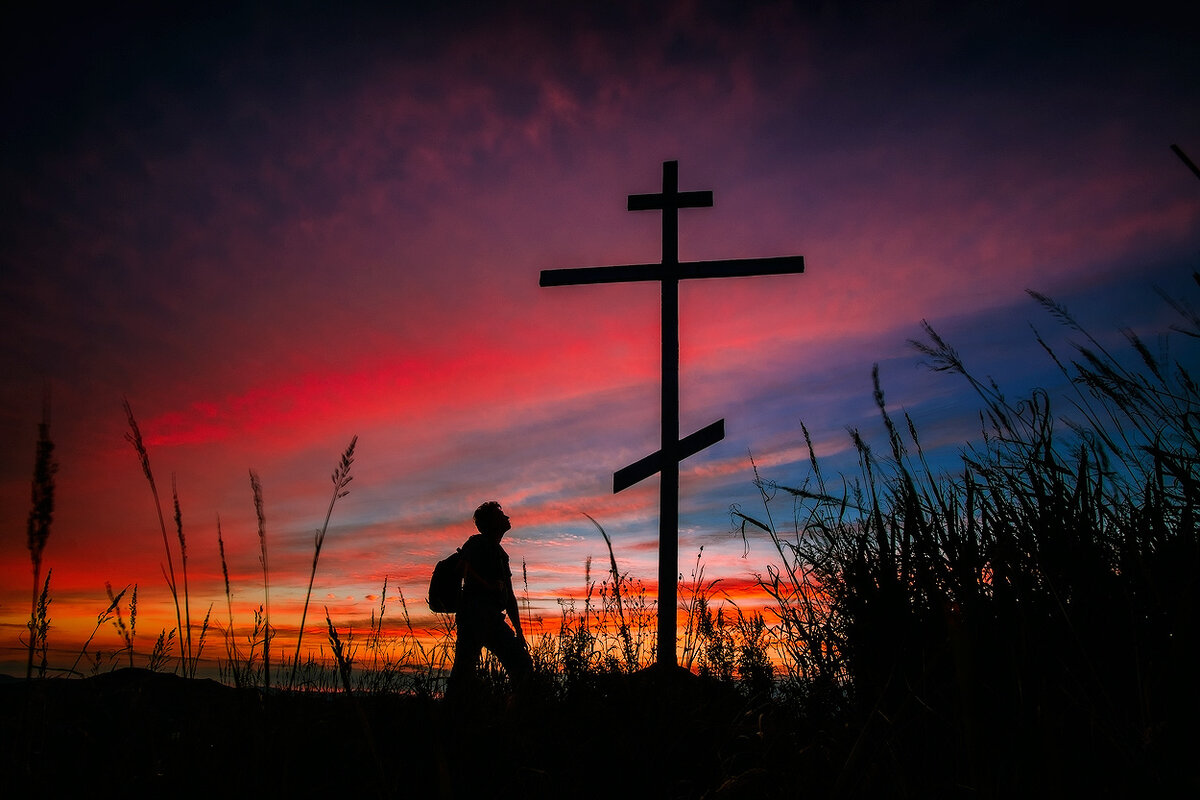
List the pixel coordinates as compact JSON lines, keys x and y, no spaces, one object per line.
{"x":341,"y":480}
{"x":41,"y":514}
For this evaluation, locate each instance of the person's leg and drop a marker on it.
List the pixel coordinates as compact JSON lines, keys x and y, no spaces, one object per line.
{"x":468,"y":646}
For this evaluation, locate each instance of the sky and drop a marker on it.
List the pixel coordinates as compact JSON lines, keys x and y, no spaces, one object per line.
{"x":273,"y":230}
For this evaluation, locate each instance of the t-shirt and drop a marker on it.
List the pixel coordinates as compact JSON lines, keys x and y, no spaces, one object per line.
{"x":487,"y":562}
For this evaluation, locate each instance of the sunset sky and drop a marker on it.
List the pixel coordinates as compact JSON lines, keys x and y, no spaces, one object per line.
{"x":272,"y":232}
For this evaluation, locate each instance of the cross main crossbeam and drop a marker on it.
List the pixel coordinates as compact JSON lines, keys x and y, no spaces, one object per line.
{"x":733,"y":268}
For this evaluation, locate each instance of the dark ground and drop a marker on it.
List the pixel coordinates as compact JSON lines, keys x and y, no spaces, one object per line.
{"x":137,"y":733}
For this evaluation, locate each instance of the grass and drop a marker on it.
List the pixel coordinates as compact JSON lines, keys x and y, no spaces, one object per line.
{"x":1027,"y":616}
{"x":341,"y":479}
{"x":41,"y":514}
{"x":256,"y":490}
{"x":114,"y":603}
{"x":39,"y":627}
{"x":994,"y":630}
{"x":134,"y":437}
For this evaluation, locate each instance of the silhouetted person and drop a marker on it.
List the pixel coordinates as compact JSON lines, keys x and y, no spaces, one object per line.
{"x":487,"y":596}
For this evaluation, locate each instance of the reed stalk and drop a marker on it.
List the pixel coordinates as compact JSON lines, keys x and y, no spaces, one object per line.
{"x":186,"y":642}
{"x":200,"y":642}
{"x":344,"y":658}
{"x":101,"y":618}
{"x":341,"y":480}
{"x":127,"y":632}
{"x":626,"y":638}
{"x":256,"y":489}
{"x":134,"y":437}
{"x":41,"y":624}
{"x":231,"y":648}
{"x":41,"y":514}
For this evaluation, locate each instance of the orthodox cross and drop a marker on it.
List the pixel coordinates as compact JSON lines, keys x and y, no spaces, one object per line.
{"x":666,"y":461}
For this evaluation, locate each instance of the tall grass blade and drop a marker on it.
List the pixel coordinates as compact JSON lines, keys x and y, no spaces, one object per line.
{"x":134,"y":437}
{"x":41,"y":514}
{"x":189,"y":665}
{"x":231,"y":648}
{"x":341,"y":480}
{"x":256,"y":489}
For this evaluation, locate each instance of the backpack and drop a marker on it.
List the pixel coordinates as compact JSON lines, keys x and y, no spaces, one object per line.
{"x":445,"y":587}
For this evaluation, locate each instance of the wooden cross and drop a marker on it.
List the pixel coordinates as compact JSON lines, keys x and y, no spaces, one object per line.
{"x":666,"y":461}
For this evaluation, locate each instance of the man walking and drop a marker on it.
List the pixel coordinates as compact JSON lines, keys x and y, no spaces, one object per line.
{"x":487,"y":596}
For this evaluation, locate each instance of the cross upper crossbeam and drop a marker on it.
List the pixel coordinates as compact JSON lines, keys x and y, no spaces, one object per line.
{"x":670,"y":199}
{"x":673,"y":199}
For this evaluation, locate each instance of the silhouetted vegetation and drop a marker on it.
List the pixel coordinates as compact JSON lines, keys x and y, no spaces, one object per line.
{"x":41,"y":514}
{"x":1022,"y":627}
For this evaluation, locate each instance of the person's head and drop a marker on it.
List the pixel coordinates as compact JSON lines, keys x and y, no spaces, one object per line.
{"x":490,"y":519}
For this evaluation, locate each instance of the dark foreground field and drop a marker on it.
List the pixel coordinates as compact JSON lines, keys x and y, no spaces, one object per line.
{"x":135,"y":733}
{"x":138,"y":733}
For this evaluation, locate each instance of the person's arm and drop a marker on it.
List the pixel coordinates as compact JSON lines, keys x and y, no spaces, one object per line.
{"x":513,"y":610}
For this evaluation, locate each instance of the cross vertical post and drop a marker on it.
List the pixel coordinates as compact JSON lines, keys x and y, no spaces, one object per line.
{"x":668,"y":485}
{"x":673,"y":449}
